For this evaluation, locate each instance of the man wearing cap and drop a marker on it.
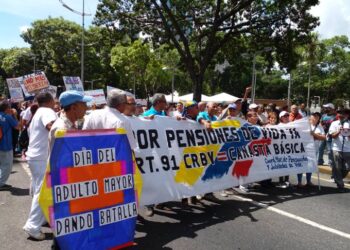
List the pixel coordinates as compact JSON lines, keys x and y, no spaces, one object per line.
{"x":326,"y":120}
{"x":74,"y":105}
{"x":37,"y":156}
{"x":340,"y":133}
{"x":74,"y":108}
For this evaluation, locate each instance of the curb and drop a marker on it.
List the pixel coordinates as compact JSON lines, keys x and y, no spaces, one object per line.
{"x":327,"y":170}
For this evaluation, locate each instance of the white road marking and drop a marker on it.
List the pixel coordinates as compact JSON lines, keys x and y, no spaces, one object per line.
{"x":295,"y":217}
{"x":26,"y":168}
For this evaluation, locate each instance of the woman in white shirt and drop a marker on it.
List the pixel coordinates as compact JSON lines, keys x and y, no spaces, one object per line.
{"x":319,"y":135}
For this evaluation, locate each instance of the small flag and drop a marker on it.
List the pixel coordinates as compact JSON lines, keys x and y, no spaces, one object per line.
{"x":222,"y":156}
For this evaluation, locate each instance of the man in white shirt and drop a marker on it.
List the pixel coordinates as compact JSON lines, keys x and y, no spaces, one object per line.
{"x":37,"y":155}
{"x":111,"y":116}
{"x":340,"y":133}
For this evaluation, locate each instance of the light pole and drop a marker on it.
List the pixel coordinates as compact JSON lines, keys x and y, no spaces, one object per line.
{"x":266,"y":49}
{"x":92,"y":82}
{"x":172,"y":82}
{"x":82,"y":14}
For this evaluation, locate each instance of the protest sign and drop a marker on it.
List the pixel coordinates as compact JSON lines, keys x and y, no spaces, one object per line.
{"x":35,"y":82}
{"x":52,"y":90}
{"x":26,"y":94}
{"x":98,"y":97}
{"x":180,"y":159}
{"x":15,"y":89}
{"x":88,"y":194}
{"x":73,"y":83}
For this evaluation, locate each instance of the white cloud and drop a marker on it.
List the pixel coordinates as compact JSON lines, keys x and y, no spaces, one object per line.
{"x":24,"y":28}
{"x":334,"y":18}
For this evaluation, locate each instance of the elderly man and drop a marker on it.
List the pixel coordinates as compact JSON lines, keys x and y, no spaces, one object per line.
{"x":7,"y":123}
{"x":37,"y":156}
{"x":294,"y":113}
{"x":206,"y":117}
{"x":158,"y":106}
{"x":130,"y":108}
{"x":111,"y":116}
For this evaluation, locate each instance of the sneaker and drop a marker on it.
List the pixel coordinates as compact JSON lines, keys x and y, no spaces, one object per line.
{"x":199,"y":197}
{"x":38,"y":236}
{"x":5,"y":187}
{"x":223,"y":194}
{"x":191,"y":200}
{"x":229,"y":191}
{"x":149,"y":211}
{"x":243,"y":189}
{"x":210,"y":197}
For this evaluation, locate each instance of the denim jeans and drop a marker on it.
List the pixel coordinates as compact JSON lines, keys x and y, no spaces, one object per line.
{"x":327,"y":143}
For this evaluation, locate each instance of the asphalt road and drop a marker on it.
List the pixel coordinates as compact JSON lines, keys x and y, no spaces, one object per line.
{"x":271,"y":218}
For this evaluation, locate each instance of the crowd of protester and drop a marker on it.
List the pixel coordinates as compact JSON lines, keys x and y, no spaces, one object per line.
{"x":27,"y":130}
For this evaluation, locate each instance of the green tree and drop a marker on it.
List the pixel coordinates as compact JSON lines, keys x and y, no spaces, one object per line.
{"x":198,"y":29}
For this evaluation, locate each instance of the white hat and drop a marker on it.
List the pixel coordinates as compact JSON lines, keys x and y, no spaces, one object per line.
{"x":235,"y":99}
{"x":253,"y":106}
{"x":329,"y":105}
{"x":283,"y":113}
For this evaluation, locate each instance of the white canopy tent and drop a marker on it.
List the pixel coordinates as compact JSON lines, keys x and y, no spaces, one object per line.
{"x":223,"y":97}
{"x":171,"y":99}
{"x":189,"y":97}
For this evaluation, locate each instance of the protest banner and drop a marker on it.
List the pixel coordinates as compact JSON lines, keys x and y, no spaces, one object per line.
{"x":35,"y":82}
{"x":73,"y":83}
{"x":88,"y":194}
{"x":15,"y":89}
{"x":98,"y":97}
{"x":180,"y":159}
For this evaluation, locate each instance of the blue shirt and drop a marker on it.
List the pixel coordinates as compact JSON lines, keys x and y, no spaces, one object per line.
{"x":152,"y":111}
{"x":7,"y":122}
{"x":204,"y":115}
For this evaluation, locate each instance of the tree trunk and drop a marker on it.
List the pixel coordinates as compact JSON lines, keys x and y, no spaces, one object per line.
{"x":197,"y":87}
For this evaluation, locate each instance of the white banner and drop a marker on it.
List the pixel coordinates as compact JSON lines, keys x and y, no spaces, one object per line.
{"x":15,"y":89}
{"x":180,"y":159}
{"x":73,"y":83}
{"x":98,"y":96}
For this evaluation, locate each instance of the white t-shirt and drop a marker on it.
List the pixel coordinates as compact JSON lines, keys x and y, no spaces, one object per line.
{"x":26,"y":114}
{"x":108,"y":118}
{"x":38,"y":148}
{"x":318,"y":130}
{"x":337,"y":143}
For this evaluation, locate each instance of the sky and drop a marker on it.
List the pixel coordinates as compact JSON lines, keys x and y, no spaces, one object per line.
{"x":17,"y":15}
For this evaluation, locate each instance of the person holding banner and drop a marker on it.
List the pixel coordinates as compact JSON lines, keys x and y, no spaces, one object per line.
{"x":37,"y":156}
{"x":284,"y":180}
{"x":158,"y":106}
{"x":74,"y":105}
{"x":319,"y":135}
{"x":7,"y":123}
{"x":111,"y":116}
{"x":340,"y":133}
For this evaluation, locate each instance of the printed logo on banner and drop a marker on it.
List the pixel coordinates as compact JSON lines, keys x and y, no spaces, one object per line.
{"x":89,"y":191}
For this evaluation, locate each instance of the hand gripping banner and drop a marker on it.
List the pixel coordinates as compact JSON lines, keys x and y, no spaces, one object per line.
{"x":88,"y":194}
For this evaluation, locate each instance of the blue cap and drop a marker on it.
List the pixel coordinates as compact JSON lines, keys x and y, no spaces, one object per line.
{"x":232,"y":106}
{"x":72,"y":96}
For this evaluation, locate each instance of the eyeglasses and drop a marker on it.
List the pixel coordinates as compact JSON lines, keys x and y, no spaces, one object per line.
{"x":131,"y":103}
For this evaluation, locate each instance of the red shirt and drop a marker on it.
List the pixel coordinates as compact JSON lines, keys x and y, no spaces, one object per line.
{"x":293,"y":117}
